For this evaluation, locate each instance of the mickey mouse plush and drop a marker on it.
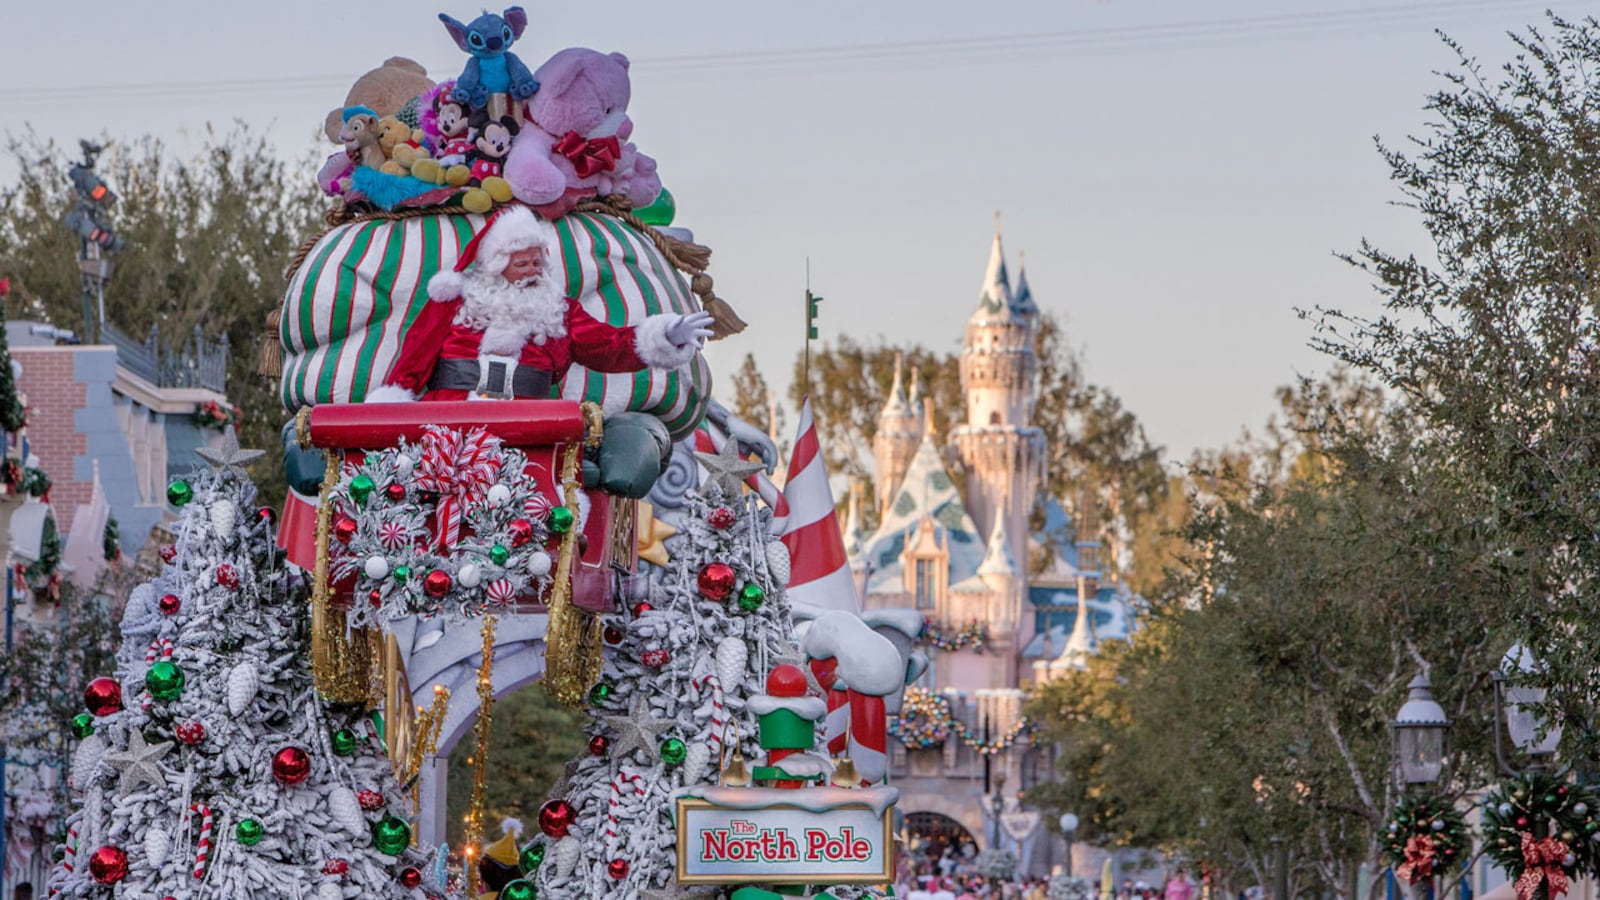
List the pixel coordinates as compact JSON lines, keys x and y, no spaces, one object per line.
{"x":486,"y":161}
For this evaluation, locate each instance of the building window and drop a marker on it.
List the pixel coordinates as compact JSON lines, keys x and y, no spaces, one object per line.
{"x":994,"y":417}
{"x":924,"y":584}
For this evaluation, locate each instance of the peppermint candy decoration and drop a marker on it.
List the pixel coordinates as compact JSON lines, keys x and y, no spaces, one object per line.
{"x":501,"y":591}
{"x":394,"y":536}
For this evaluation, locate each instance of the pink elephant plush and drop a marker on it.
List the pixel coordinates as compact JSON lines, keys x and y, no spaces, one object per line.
{"x":575,"y":145}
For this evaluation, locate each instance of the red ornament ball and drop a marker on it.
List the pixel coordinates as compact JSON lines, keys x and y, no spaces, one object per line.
{"x":335,"y":867}
{"x":598,"y":745}
{"x":555,"y":817}
{"x":375,"y":598}
{"x":395,"y":491}
{"x":227,"y":576}
{"x":169,"y":604}
{"x":437,"y":584}
{"x":1522,"y":821}
{"x":345,"y":529}
{"x":787,"y":680}
{"x":641,"y":608}
{"x":716,"y":581}
{"x":190,"y":733}
{"x":108,"y":865}
{"x":103,"y":696}
{"x":521,"y":532}
{"x":613,"y":635}
{"x":268,"y":515}
{"x":410,"y":877}
{"x":291,"y":766}
{"x":369,"y":800}
{"x":655,"y":659}
{"x":617,"y":868}
{"x":721,"y":518}
{"x":169,"y":552}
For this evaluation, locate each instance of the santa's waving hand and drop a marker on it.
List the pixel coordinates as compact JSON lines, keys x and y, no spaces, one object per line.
{"x":499,"y":326}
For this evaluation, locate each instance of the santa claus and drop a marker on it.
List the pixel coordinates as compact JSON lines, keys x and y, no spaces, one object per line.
{"x":499,"y":326}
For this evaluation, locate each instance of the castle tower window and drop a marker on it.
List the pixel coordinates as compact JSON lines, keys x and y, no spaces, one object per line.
{"x":994,"y":418}
{"x":925,"y":584}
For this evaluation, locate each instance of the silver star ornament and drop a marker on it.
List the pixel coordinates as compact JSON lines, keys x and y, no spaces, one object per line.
{"x":229,"y":456}
{"x":638,"y":730}
{"x":728,"y":470}
{"x":139,"y":764}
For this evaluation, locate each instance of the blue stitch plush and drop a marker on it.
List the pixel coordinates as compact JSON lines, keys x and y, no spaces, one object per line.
{"x":493,"y":68}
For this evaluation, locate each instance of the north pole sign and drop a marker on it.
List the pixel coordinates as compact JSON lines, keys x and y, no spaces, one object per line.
{"x":772,"y":836}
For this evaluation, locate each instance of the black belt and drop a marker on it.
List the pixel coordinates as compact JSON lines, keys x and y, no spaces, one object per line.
{"x":526,"y":382}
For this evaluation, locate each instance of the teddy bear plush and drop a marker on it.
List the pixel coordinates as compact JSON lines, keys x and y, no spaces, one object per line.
{"x":401,"y":146}
{"x":386,"y":90}
{"x":575,"y":144}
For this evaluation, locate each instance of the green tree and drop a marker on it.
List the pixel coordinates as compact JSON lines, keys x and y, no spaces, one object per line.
{"x":1495,"y":342}
{"x":207,"y":241}
{"x":533,"y":738}
{"x":755,"y":402}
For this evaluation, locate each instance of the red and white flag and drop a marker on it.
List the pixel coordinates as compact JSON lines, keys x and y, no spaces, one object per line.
{"x":820,"y":571}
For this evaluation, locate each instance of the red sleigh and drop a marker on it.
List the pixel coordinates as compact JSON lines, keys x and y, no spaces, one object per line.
{"x":549,"y":433}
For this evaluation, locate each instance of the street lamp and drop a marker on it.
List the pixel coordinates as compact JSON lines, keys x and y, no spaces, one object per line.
{"x":1069,"y":830}
{"x":1517,"y":705}
{"x":997,"y":803}
{"x":1419,"y":731}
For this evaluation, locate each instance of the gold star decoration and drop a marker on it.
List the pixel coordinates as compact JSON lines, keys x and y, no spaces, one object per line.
{"x":653,"y":534}
{"x":229,"y":457}
{"x":638,"y":730}
{"x":139,"y":764}
{"x":728,"y":469}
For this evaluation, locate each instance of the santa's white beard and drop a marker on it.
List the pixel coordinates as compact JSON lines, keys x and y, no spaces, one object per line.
{"x":510,"y":315}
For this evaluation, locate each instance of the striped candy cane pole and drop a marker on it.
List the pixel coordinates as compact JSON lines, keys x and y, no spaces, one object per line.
{"x":202,"y":854}
{"x":836,"y":726}
{"x":719,"y":712}
{"x":70,"y":848}
{"x":869,"y":736}
{"x":616,"y":802}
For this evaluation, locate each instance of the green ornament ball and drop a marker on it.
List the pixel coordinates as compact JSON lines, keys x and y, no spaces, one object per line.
{"x":249,"y":832}
{"x":1551,"y":800}
{"x":344,"y":742}
{"x":600,"y":693}
{"x":401,"y":573}
{"x":82,"y":725}
{"x":164,"y":680}
{"x":498,"y":554}
{"x":518,"y":890}
{"x":179,"y":493}
{"x":532,"y":856}
{"x":391,"y":836}
{"x":361,"y":487}
{"x":1590,"y":827}
{"x":560,"y":520}
{"x":661,"y":210}
{"x":751,"y":596}
{"x":673,"y":751}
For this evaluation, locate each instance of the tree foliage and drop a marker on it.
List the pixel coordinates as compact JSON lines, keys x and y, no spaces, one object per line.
{"x":207,"y":241}
{"x":533,"y":738}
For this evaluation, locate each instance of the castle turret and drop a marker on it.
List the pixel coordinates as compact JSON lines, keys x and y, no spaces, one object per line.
{"x":899,"y":433}
{"x":1002,"y":452}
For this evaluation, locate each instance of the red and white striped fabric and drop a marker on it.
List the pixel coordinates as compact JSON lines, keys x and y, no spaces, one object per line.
{"x":819,"y":569}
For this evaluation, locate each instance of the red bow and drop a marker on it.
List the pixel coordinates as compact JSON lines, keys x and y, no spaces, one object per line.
{"x":1542,"y":859}
{"x":1419,"y":859}
{"x":590,"y":157}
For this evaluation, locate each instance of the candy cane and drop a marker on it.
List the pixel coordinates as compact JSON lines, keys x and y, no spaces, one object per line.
{"x":162,"y":646}
{"x":203,"y":854}
{"x":719,"y":712}
{"x":616,"y":801}
{"x":70,"y":848}
{"x":836,"y":727}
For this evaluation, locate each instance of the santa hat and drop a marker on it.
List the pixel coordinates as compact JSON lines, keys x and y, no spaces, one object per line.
{"x":507,"y":231}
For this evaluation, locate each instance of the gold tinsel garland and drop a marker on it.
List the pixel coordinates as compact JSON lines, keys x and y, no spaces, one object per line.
{"x":344,"y":660}
{"x":572,"y":640}
{"x":480,"y":759}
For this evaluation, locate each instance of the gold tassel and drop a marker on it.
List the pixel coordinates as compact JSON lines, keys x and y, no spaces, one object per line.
{"x":344,"y":661}
{"x":269,"y":364}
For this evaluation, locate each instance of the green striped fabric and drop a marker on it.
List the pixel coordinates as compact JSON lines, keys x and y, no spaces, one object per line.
{"x":363,"y":283}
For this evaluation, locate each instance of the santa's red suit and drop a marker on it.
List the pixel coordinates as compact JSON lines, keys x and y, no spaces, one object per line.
{"x":481,"y":336}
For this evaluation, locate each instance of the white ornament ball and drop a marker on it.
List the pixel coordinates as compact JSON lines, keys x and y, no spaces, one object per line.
{"x":1437,"y":824}
{"x":156,"y":847}
{"x":1581,"y":809}
{"x":224,"y":517}
{"x":1569,"y":860}
{"x":1504,"y":809}
{"x":778,"y":562}
{"x":85,"y":758}
{"x":243,"y":682}
{"x":377,"y":567}
{"x":499,"y":495}
{"x":470,"y":576}
{"x":732,"y":654}
{"x":403,"y":465}
{"x":539,"y":564}
{"x":330,"y":890}
{"x":345,"y":810}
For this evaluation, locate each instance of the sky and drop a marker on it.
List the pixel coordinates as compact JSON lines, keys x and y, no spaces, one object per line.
{"x":1180,"y":174}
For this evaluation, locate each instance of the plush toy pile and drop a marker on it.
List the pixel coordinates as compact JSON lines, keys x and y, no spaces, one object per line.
{"x":549,"y":137}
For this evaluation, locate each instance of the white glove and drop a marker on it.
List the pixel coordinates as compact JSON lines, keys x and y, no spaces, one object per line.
{"x":693,"y":328}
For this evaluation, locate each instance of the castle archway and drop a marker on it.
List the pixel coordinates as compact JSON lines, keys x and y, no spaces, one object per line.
{"x":932,"y":834}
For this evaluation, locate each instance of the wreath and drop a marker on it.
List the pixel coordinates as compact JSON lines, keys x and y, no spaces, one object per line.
{"x":1515,"y":813}
{"x":1425,"y":835}
{"x":924,"y":720}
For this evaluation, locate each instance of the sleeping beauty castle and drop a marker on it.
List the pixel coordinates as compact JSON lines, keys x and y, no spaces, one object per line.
{"x":959,"y":551}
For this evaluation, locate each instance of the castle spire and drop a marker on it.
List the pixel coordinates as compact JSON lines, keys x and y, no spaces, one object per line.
{"x":914,"y":398}
{"x":1022,"y":300}
{"x":997,"y":560}
{"x":994,"y":299}
{"x":896,"y":404}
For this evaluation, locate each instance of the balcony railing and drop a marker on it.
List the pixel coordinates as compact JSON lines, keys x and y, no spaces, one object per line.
{"x":200,"y":363}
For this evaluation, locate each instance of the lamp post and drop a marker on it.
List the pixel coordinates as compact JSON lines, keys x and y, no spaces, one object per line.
{"x":997,"y":806}
{"x":1516,"y":705}
{"x":1069,"y":830}
{"x":1420,"y":731}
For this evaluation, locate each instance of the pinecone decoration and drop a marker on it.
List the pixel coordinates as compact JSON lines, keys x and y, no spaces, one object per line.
{"x":732,"y":653}
{"x":564,"y":856}
{"x":695,"y":763}
{"x":224,"y":518}
{"x":243,"y":682}
{"x":156,"y":847}
{"x":346,"y":810}
{"x":778,"y":562}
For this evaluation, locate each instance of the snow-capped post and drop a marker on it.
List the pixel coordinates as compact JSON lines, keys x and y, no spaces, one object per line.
{"x":787,"y":722}
{"x":870,"y":667}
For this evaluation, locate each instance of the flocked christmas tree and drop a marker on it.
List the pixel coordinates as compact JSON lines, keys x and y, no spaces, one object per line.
{"x":672,"y":695}
{"x":209,"y":767}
